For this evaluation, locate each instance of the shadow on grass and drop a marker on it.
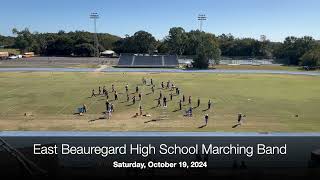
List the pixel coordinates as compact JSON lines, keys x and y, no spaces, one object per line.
{"x":200,"y":127}
{"x":236,"y":125}
{"x":100,"y":118}
{"x":154,"y":107}
{"x":154,"y":120}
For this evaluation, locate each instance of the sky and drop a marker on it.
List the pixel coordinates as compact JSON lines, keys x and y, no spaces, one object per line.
{"x":276,"y":19}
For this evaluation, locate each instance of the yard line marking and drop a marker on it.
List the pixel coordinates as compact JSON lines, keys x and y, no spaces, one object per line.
{"x":12,"y":107}
{"x":39,"y":106}
{"x":15,"y":106}
{"x":100,"y":68}
{"x":10,"y":92}
{"x":69,"y":104}
{"x":14,"y":89}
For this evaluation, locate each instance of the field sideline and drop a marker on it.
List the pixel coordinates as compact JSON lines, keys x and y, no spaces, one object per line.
{"x":271,"y":102}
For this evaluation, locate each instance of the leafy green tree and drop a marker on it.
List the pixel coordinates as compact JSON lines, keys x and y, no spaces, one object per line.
{"x":226,"y":43}
{"x":163,"y":47}
{"x":61,"y":43}
{"x":24,"y":40}
{"x":106,"y":40}
{"x":311,"y":58}
{"x":6,"y":41}
{"x":207,"y":49}
{"x":245,"y":47}
{"x":193,"y":42}
{"x":125,"y":45}
{"x":140,"y":42}
{"x":177,"y":40}
{"x":265,"y":47}
{"x":294,"y":48}
{"x":61,"y":46}
{"x":143,"y":42}
{"x":84,"y":50}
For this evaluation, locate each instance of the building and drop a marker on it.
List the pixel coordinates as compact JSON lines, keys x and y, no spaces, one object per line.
{"x":108,"y":53}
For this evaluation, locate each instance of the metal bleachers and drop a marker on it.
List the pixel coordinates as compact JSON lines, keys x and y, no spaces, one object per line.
{"x":171,"y":60}
{"x":125,"y":60}
{"x":148,"y":61}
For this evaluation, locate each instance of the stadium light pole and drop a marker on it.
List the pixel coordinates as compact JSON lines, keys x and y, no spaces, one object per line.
{"x":201,"y":18}
{"x":95,"y":16}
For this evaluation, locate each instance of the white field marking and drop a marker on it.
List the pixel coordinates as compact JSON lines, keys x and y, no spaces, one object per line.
{"x":5,"y":114}
{"x":51,"y":90}
{"x":10,"y":92}
{"x":93,"y":102}
{"x":68,"y":105}
{"x":39,"y":106}
{"x":9,"y":99}
{"x":100,"y":68}
{"x":10,"y":108}
{"x":223,"y":99}
{"x":14,"y":89}
{"x":15,"y":106}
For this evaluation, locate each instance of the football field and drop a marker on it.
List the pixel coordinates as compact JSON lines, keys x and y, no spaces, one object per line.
{"x":48,"y":100}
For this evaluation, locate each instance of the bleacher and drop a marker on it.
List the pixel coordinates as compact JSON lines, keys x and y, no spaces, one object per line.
{"x":147,"y":61}
{"x":125,"y":60}
{"x":159,"y":61}
{"x":171,"y":60}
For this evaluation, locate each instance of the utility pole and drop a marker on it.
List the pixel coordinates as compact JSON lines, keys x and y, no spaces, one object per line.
{"x":201,"y":18}
{"x":95,"y":16}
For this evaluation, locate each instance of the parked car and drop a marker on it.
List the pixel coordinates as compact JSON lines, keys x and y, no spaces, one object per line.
{"x":13,"y":57}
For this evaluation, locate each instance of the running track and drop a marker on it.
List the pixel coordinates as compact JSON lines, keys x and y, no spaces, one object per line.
{"x":159,"y":70}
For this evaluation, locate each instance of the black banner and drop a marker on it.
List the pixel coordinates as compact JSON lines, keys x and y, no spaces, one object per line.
{"x":160,"y":154}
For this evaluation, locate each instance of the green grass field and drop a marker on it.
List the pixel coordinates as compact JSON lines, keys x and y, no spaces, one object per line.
{"x":261,"y":67}
{"x":269,"y":101}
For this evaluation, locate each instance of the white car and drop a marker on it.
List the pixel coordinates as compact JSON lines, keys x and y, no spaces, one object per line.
{"x":15,"y":57}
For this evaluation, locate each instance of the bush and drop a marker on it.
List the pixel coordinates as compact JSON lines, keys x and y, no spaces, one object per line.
{"x":84,"y":50}
{"x":311,"y":58}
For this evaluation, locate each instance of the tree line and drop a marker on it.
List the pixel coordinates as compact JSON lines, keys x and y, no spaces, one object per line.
{"x":78,"y":43}
{"x":199,"y":45}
